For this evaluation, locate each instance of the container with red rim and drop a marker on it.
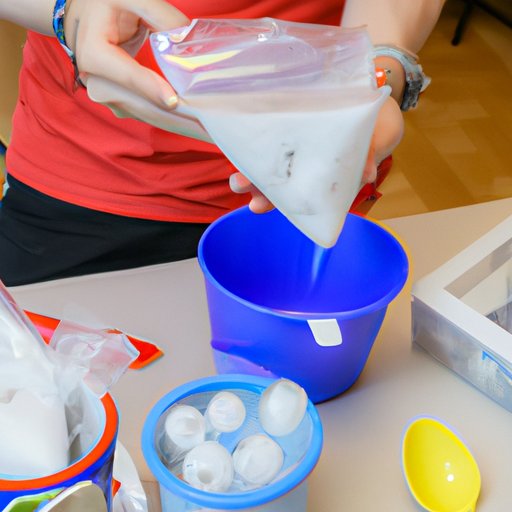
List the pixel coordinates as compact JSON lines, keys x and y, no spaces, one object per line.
{"x":24,"y":494}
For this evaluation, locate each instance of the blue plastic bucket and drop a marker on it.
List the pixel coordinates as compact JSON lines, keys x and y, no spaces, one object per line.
{"x":288,"y":492}
{"x":280,"y":305}
{"x":24,"y":494}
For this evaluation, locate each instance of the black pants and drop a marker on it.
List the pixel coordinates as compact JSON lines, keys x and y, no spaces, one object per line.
{"x":42,"y":238}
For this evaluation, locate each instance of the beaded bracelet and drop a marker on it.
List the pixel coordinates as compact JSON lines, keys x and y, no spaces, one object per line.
{"x":58,"y":27}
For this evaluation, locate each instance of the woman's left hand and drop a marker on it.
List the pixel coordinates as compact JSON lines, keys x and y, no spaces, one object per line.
{"x":241,"y":185}
{"x":387,"y":134}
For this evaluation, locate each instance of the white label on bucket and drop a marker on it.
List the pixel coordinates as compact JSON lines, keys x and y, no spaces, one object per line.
{"x":326,"y":332}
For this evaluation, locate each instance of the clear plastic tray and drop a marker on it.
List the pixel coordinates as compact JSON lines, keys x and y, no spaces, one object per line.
{"x":462,"y":313}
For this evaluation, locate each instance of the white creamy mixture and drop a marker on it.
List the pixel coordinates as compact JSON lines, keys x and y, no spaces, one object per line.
{"x":305,"y":153}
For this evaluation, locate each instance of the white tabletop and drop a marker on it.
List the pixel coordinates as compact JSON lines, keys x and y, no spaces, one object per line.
{"x":359,"y":469}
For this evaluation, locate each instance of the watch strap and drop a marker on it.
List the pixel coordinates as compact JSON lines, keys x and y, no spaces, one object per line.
{"x":415,"y":79}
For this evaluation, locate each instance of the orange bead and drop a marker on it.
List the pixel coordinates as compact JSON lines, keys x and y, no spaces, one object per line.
{"x":381,"y":76}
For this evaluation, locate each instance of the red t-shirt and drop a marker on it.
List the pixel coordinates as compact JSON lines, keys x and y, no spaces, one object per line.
{"x":73,"y":149}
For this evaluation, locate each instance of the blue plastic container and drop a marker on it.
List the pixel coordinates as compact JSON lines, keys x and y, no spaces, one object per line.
{"x":282,"y":306}
{"x":288,"y":492}
{"x":17,"y":494}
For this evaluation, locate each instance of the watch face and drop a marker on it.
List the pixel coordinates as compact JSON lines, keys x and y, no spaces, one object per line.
{"x":416,"y":83}
{"x":411,"y":94}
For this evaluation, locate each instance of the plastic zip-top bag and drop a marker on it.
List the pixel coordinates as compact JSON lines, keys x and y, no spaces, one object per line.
{"x":292,"y":105}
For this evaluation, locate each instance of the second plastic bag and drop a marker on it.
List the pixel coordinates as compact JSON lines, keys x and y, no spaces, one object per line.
{"x":292,"y":105}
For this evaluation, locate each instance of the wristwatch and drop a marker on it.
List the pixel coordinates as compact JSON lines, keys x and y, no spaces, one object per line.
{"x":415,"y":79}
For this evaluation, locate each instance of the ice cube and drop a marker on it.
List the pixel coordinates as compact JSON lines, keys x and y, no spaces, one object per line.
{"x":225,"y":412}
{"x":282,"y":407}
{"x":258,"y":459}
{"x":184,"y":428}
{"x":209,"y":467}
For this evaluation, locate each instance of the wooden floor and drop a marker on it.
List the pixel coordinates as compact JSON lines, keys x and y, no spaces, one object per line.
{"x":457,"y":146}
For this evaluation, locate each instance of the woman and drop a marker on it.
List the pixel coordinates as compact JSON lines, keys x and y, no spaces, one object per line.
{"x":95,"y":189}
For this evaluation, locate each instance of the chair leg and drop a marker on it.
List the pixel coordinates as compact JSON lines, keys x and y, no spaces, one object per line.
{"x":463,"y":21}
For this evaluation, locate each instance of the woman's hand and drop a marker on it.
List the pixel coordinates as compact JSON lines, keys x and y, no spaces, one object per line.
{"x":387,"y":134}
{"x":105,"y":35}
{"x":241,"y":185}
